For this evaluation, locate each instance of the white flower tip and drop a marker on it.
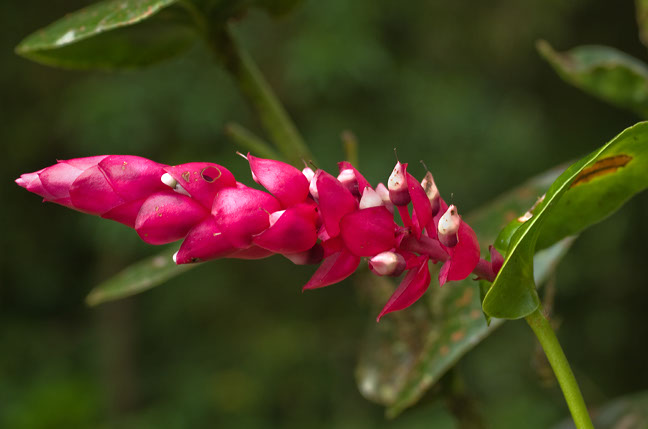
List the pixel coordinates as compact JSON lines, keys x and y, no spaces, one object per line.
{"x":346,"y":175}
{"x":430,"y":187}
{"x":309,"y":173}
{"x":370,"y":198}
{"x":397,"y":180}
{"x":274,"y":216}
{"x":168,"y":180}
{"x":449,"y":222}
{"x":312,"y":188}
{"x":175,"y":257}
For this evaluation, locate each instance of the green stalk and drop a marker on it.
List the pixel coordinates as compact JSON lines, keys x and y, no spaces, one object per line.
{"x":542,"y":329}
{"x":255,"y":88}
{"x":247,"y":139}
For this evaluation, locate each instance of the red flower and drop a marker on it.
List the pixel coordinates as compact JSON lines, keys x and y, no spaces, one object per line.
{"x":307,"y":216}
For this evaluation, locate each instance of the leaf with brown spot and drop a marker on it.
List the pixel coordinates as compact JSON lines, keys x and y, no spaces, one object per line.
{"x":616,"y":171}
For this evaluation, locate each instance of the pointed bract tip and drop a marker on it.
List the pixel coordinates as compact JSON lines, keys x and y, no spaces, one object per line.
{"x":245,"y":157}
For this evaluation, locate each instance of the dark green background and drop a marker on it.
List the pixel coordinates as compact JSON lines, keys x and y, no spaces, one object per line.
{"x":234,"y":343}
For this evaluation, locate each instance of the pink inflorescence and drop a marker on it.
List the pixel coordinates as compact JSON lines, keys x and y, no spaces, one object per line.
{"x":307,"y":216}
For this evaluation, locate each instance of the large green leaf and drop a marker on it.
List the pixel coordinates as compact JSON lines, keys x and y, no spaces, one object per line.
{"x":408,"y":351}
{"x":604,"y":72}
{"x":113,"y":34}
{"x":627,"y":412}
{"x":585,"y":193}
{"x":138,"y":277}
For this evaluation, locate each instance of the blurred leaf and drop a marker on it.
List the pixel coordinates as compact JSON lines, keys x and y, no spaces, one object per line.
{"x":604,"y":72}
{"x":594,"y":187}
{"x":104,"y":36}
{"x":627,"y":412}
{"x":642,"y":20}
{"x":137,"y":278}
{"x":409,"y":351}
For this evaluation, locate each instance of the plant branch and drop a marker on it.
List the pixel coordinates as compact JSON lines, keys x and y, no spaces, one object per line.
{"x":542,"y":329}
{"x":255,"y":88}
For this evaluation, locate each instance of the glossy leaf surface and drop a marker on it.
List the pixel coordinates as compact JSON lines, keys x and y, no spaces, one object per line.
{"x":604,"y":72}
{"x":112,"y":34}
{"x":585,"y":193}
{"x":138,"y":278}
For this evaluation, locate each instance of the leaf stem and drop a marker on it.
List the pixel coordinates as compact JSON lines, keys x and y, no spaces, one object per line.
{"x":542,"y":329}
{"x":255,"y":88}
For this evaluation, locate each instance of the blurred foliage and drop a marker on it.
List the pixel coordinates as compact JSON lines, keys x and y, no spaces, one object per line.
{"x":234,"y":343}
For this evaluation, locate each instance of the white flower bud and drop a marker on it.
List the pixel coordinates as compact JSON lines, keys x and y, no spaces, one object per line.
{"x":370,"y":198}
{"x":168,"y":180}
{"x":387,"y":264}
{"x":397,"y":185}
{"x":449,"y":226}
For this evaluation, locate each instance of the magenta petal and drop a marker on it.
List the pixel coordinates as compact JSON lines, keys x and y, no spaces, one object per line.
{"x":133,"y":177}
{"x":413,"y":286}
{"x":433,"y":225}
{"x":421,"y":203}
{"x":463,"y":257}
{"x":92,"y":193}
{"x":282,"y":180}
{"x":204,"y":242}
{"x":168,"y":216}
{"x":333,"y":269}
{"x":335,"y":200}
{"x":368,"y":232}
{"x":125,"y":213}
{"x":253,"y":252}
{"x":293,"y":232}
{"x":32,"y":182}
{"x":58,"y":178}
{"x":202,"y":180}
{"x":85,"y":163}
{"x":362,"y":182}
{"x":242,"y":213}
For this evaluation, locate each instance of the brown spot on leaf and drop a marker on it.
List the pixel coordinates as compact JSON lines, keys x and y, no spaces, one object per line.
{"x":475,"y":314}
{"x":444,"y":350}
{"x":465,"y":298}
{"x":186,"y":176}
{"x":457,"y":335}
{"x":600,"y":168}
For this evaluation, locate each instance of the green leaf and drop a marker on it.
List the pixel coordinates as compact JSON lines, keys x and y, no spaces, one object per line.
{"x":408,"y":351}
{"x":604,"y":72}
{"x":585,"y":193}
{"x":642,"y":20}
{"x":628,"y":412}
{"x":137,"y":278}
{"x":105,"y":36}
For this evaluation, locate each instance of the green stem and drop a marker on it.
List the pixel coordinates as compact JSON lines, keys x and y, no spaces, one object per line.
{"x":255,"y":88}
{"x":542,"y":329}
{"x":250,"y":141}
